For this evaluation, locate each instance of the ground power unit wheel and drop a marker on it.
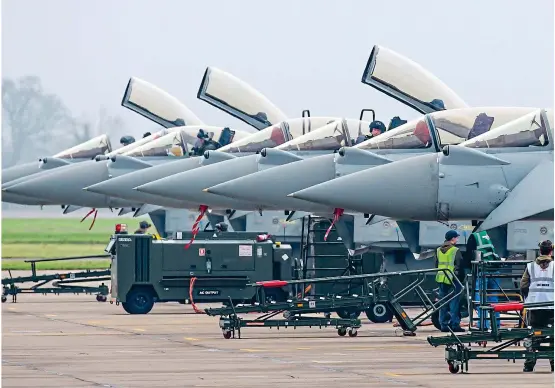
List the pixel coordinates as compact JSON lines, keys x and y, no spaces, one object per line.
{"x":139,"y":301}
{"x":379,"y":313}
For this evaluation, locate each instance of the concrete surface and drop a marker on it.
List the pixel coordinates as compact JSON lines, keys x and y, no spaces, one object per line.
{"x":74,"y":341}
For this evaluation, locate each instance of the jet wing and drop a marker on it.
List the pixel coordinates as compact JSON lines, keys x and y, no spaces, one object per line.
{"x":532,"y":196}
{"x":237,"y":98}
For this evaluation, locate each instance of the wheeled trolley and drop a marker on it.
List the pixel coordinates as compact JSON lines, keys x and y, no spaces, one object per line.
{"x":537,"y":342}
{"x":62,"y":283}
{"x":372,"y":291}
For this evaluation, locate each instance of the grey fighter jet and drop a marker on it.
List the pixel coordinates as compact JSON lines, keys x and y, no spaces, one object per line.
{"x":497,"y":177}
{"x":19,"y":173}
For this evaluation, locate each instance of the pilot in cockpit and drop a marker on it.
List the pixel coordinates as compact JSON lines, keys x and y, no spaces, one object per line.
{"x":376,"y":129}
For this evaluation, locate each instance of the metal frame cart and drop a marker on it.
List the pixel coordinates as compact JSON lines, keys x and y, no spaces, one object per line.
{"x":506,"y":275}
{"x":458,"y":354}
{"x":62,"y":282}
{"x":373,"y":290}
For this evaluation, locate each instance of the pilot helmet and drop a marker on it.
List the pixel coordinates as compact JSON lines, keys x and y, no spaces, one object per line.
{"x":377,"y":125}
{"x":126,"y":140}
{"x":438,"y":104}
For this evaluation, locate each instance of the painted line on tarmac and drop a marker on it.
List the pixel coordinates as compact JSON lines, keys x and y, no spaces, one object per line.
{"x":139,"y":329}
{"x":191,"y":339}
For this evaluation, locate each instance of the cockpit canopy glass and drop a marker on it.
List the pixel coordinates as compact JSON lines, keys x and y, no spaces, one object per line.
{"x":87,"y":150}
{"x":530,"y":130}
{"x":412,"y":135}
{"x":458,"y":125}
{"x":239,"y":99}
{"x":409,"y":82}
{"x":171,"y":144}
{"x":277,"y":134}
{"x":337,"y":134}
{"x":125,"y":150}
{"x":157,"y":105}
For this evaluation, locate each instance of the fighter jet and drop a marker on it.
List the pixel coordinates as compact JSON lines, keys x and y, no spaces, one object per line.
{"x":79,"y":153}
{"x":497,"y":177}
{"x":271,"y":188}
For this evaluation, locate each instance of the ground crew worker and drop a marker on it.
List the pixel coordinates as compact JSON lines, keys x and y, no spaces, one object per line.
{"x":448,"y":256}
{"x":376,"y":129}
{"x":536,"y":286}
{"x":143,"y":227}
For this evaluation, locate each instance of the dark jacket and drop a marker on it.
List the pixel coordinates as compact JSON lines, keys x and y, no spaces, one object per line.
{"x":543,"y":261}
{"x":139,"y":231}
{"x":459,"y":270}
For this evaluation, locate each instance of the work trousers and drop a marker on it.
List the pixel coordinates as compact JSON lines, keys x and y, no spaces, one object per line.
{"x":491,"y":284}
{"x":452,"y":320}
{"x":538,"y":319}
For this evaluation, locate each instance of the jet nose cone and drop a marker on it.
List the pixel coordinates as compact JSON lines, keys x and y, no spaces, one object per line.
{"x":270,"y":187}
{"x":405,"y":189}
{"x":65,"y":184}
{"x":190,"y":185}
{"x":104,"y":188}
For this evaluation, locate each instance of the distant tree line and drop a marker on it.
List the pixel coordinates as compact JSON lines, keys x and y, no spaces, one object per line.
{"x":36,"y":123}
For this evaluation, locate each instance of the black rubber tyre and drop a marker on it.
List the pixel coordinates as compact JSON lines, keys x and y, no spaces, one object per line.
{"x":379,"y":313}
{"x":453,"y":368}
{"x":341,"y":332}
{"x":4,"y":298}
{"x":348,"y":313}
{"x":226,"y":334}
{"x":139,"y":301}
{"x":353,"y":333}
{"x":101,"y":298}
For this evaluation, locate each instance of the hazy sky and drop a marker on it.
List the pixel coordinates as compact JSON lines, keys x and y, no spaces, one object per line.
{"x":300,"y":54}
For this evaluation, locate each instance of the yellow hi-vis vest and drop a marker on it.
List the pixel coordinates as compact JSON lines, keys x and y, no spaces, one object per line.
{"x":446,"y":261}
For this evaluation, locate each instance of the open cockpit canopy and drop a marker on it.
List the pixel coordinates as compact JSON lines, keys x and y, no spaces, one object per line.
{"x":408,"y":82}
{"x":87,"y":150}
{"x":239,"y":99}
{"x":534,"y":129}
{"x":157,"y":105}
{"x":278,"y":134}
{"x":332,"y":136}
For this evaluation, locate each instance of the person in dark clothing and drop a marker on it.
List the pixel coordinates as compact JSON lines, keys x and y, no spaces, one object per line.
{"x":143,"y":227}
{"x":376,"y":129}
{"x":448,"y":256}
{"x":536,"y":286}
{"x":126,"y":140}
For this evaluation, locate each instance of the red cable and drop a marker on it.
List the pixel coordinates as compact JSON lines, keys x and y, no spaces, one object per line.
{"x":195,"y":230}
{"x":191,"y":285}
{"x":88,"y":214}
{"x":337,"y":213}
